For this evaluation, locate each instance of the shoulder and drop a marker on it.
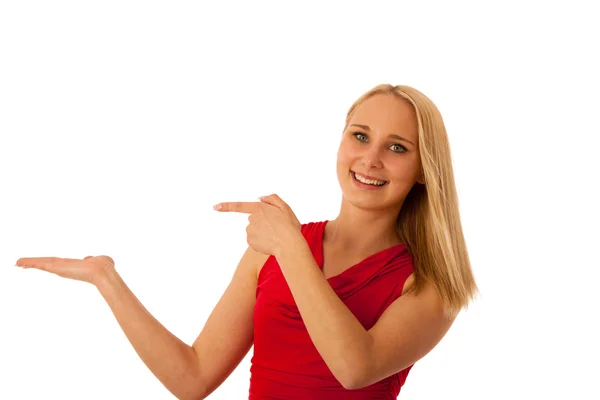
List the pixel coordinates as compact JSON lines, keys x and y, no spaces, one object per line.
{"x":312,"y":225}
{"x":408,"y":283}
{"x":312,"y":229}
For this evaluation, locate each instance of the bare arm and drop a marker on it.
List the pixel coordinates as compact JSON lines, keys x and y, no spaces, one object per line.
{"x":228,"y":333}
{"x":190,"y":372}
{"x":172,"y":361}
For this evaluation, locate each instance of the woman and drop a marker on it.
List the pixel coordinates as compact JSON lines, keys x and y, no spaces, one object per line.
{"x":336,"y":309}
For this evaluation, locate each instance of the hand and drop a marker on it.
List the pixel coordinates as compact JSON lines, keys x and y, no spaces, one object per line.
{"x":273,"y":224}
{"x":89,"y":269}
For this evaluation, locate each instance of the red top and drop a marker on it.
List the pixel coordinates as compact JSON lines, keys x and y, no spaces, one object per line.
{"x":286,"y":364}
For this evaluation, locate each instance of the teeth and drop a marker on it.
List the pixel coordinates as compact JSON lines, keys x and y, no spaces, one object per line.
{"x":368,"y":181}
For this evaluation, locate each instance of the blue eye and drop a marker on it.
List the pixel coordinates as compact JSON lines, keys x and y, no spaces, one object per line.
{"x":357,"y":134}
{"x":400,"y":149}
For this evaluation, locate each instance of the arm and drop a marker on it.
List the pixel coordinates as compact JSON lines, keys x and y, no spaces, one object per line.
{"x":409,"y":328}
{"x":228,"y":333}
{"x":172,"y":361}
{"x":190,"y":372}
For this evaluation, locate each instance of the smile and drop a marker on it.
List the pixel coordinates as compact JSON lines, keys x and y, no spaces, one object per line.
{"x":364,"y":182}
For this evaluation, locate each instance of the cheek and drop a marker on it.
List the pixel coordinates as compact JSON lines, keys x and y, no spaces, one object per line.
{"x":347,"y":152}
{"x":344,"y":162}
{"x":405,"y":171}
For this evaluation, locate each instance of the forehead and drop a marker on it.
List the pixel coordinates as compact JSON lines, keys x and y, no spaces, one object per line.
{"x":387,"y":114}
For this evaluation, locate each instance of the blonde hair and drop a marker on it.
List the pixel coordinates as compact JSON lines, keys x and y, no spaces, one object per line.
{"x":429,"y":220}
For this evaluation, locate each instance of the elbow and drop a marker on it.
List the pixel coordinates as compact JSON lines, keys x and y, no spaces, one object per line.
{"x":351,"y":383}
{"x":191,"y":395}
{"x":195,"y":390}
{"x":195,"y":395}
{"x":199,"y":392}
{"x":352,"y":378}
{"x":357,"y":368}
{"x":198,"y":396}
{"x":355,"y":382}
{"x":355,"y":374}
{"x":349,"y":386}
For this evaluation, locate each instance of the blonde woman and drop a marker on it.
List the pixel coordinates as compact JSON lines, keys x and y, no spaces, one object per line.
{"x":335,"y":309}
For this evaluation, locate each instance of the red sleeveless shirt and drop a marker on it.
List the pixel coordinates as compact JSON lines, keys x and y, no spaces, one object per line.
{"x":286,"y":364}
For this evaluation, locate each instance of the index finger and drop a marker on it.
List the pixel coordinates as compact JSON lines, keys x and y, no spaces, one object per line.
{"x":247,"y":207}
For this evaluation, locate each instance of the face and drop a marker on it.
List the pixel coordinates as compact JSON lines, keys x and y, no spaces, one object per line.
{"x":380,"y":142}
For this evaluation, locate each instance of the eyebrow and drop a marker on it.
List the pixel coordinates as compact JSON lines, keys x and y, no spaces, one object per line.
{"x":366,"y":128}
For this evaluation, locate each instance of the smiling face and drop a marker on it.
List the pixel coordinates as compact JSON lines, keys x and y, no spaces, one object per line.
{"x":381,"y":143}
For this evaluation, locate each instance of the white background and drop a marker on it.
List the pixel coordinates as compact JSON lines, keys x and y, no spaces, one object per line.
{"x":123,"y":122}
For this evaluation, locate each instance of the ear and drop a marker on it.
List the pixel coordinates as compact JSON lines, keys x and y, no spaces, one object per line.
{"x":421,"y":179}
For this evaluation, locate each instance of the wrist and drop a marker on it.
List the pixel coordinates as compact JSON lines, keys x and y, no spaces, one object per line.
{"x":291,"y":247}
{"x":105,"y":278}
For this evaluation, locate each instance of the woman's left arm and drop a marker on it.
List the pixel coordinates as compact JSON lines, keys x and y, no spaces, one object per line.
{"x":336,"y":333}
{"x":407,"y":330}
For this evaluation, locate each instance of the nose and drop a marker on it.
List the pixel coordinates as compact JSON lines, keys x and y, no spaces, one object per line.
{"x":372,"y":158}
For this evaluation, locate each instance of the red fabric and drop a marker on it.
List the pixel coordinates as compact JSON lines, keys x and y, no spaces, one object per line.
{"x":286,"y":364}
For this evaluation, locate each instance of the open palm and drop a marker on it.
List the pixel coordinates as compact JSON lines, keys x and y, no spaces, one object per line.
{"x":88,"y":269}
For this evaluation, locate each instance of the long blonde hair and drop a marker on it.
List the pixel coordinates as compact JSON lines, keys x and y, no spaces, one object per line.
{"x":429,"y":220}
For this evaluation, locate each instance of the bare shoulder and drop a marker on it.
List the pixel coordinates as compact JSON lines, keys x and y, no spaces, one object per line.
{"x":408,"y":283}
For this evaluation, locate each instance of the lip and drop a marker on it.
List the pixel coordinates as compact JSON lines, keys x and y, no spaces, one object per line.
{"x":368,"y":177}
{"x":364,"y":186}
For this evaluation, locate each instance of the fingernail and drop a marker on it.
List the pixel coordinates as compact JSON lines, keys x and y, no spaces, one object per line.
{"x":217,"y":207}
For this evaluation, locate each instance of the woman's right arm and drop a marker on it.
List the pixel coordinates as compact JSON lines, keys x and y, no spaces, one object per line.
{"x":190,"y":372}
